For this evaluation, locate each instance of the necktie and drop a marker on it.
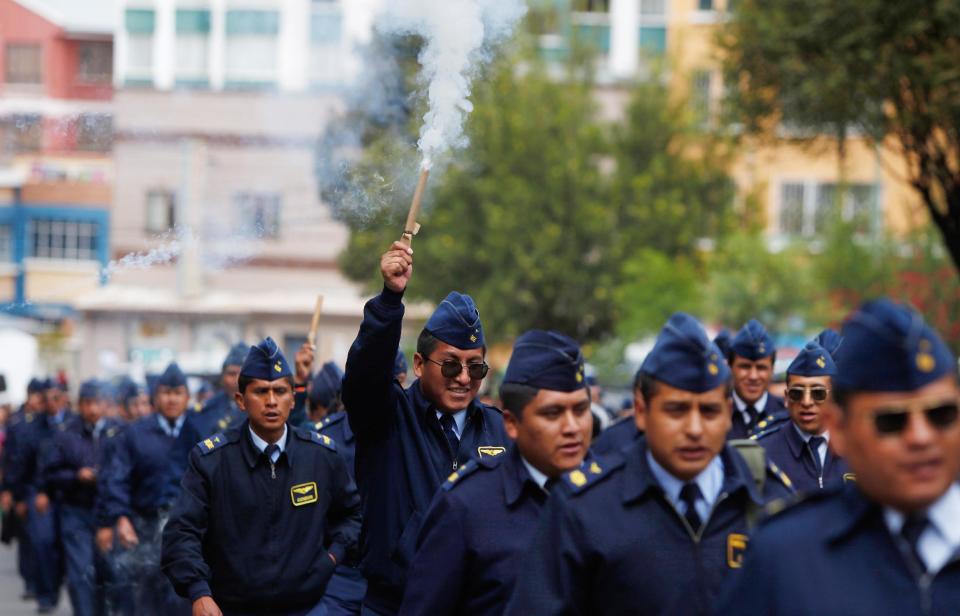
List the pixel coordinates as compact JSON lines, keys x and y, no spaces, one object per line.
{"x":752,"y":412}
{"x":913,"y":527}
{"x":447,"y":423}
{"x":814,"y":446}
{"x":269,"y":451}
{"x":689,"y":495}
{"x":550,"y":484}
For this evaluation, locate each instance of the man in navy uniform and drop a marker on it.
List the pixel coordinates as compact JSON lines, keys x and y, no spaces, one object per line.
{"x":400,"y":368}
{"x":658,"y":528}
{"x":138,"y":486}
{"x":409,"y":441}
{"x":42,"y":526}
{"x":887,"y":543}
{"x":266,"y":510}
{"x":624,"y":432}
{"x":751,"y":358}
{"x":70,"y":471}
{"x":221,"y":412}
{"x":323,"y":397}
{"x":482,"y":521}
{"x":14,"y":510}
{"x":800,"y":447}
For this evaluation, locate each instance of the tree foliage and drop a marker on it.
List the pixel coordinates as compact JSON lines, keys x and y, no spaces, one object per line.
{"x":886,"y":69}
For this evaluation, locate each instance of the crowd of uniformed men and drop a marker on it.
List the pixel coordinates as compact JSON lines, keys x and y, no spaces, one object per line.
{"x":356,"y":492}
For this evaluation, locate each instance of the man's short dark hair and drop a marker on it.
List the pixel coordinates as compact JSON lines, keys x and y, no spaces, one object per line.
{"x":649,"y":387}
{"x":731,"y":355}
{"x":426,"y":343}
{"x":515,"y":397}
{"x":243,"y":381}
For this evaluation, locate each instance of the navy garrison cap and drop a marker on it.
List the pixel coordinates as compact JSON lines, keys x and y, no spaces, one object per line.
{"x":456,"y":321}
{"x":723,"y":340}
{"x":685,"y":358}
{"x":830,"y":340}
{"x":35,"y":386}
{"x":173,"y":376}
{"x":265,"y":362}
{"x":235,"y":355}
{"x":326,"y":384}
{"x":399,"y":363}
{"x":813,"y":360}
{"x":546,"y":360}
{"x":90,"y":390}
{"x":888,"y":347}
{"x":753,"y":342}
{"x":127,"y":389}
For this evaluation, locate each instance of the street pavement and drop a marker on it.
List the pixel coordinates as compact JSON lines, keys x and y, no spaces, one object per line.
{"x":11,"y":587}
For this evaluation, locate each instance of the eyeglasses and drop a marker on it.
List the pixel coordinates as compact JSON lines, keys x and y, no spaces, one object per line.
{"x":817,"y":394}
{"x":451,"y":368}
{"x":894,"y":421}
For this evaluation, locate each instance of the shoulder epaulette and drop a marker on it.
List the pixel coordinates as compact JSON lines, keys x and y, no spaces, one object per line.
{"x":455,"y":477}
{"x":779,"y":474}
{"x":591,"y":472}
{"x":795,"y":501}
{"x":756,"y":436}
{"x":214,"y":442}
{"x":328,"y":420}
{"x":197,"y":407}
{"x":323,"y":439}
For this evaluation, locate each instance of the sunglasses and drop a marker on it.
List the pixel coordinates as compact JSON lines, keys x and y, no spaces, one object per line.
{"x":451,"y":368}
{"x":817,"y":394}
{"x":894,"y":421}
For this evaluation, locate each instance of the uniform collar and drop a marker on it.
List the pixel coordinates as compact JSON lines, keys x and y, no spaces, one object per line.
{"x":252,"y":452}
{"x":515,"y":475}
{"x":426,"y":407}
{"x":165,"y":425}
{"x":638,"y":478}
{"x":261,"y":444}
{"x":710,"y":480}
{"x":759,"y":405}
{"x":797,"y":439}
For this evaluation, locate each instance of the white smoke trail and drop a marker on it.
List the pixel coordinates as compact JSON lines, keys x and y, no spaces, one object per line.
{"x":459,"y":36}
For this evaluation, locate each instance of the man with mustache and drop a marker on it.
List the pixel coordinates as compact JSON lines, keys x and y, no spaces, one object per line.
{"x":481,"y":522}
{"x":410,"y":440}
{"x":751,"y":357}
{"x":889,"y":542}
{"x":660,"y":526}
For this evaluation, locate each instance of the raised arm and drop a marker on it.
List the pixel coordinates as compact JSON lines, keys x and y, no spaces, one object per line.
{"x":368,"y":388}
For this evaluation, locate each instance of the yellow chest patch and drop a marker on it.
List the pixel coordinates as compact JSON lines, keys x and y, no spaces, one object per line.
{"x":303,"y":494}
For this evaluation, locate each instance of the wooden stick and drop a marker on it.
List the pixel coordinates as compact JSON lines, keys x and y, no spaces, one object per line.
{"x":316,"y":321}
{"x":412,"y":226}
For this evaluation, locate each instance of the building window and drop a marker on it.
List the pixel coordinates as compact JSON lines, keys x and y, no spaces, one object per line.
{"x":700,"y":96}
{"x":6,"y":244}
{"x":809,"y":208}
{"x":258,"y":214}
{"x":704,"y":5}
{"x":96,"y":62}
{"x":140,"y":25}
{"x":193,"y":33}
{"x":94,"y":132}
{"x":326,"y":63}
{"x":63,"y":239}
{"x":592,"y":6}
{"x":24,"y":63}
{"x":24,"y":133}
{"x":161,"y":211}
{"x":653,"y":8}
{"x":251,"y":50}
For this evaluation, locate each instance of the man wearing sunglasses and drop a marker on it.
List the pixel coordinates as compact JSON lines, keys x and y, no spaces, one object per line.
{"x":888,"y":543}
{"x":409,"y":441}
{"x":800,"y":446}
{"x":751,"y":357}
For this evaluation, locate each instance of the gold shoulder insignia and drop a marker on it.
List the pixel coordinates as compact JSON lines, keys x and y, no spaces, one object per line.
{"x":197,"y":408}
{"x":849,"y":477}
{"x":323,"y":439}
{"x":212,"y":443}
{"x":319,"y":424}
{"x":455,"y":477}
{"x":779,"y":474}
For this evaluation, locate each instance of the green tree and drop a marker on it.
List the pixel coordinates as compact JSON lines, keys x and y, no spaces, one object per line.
{"x":886,"y":69}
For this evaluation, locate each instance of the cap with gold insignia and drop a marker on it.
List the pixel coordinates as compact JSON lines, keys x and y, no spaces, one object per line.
{"x":684,"y":357}
{"x":829,"y":340}
{"x":456,"y":321}
{"x":753,"y":342}
{"x":265,"y":362}
{"x":813,"y":360}
{"x":546,"y":360}
{"x":326,"y":384}
{"x":90,"y":390}
{"x":888,"y":347}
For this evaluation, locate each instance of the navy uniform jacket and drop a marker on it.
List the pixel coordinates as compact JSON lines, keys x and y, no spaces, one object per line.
{"x":219,"y":414}
{"x":615,"y":544}
{"x":32,"y":446}
{"x":473,"y":538}
{"x":786,"y":449}
{"x":773,"y":414}
{"x":75,"y":445}
{"x":618,"y":436}
{"x":402,"y":454}
{"x":337,"y":427}
{"x":832,"y":555}
{"x":17,"y":426}
{"x":257,"y":538}
{"x":144,"y":469}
